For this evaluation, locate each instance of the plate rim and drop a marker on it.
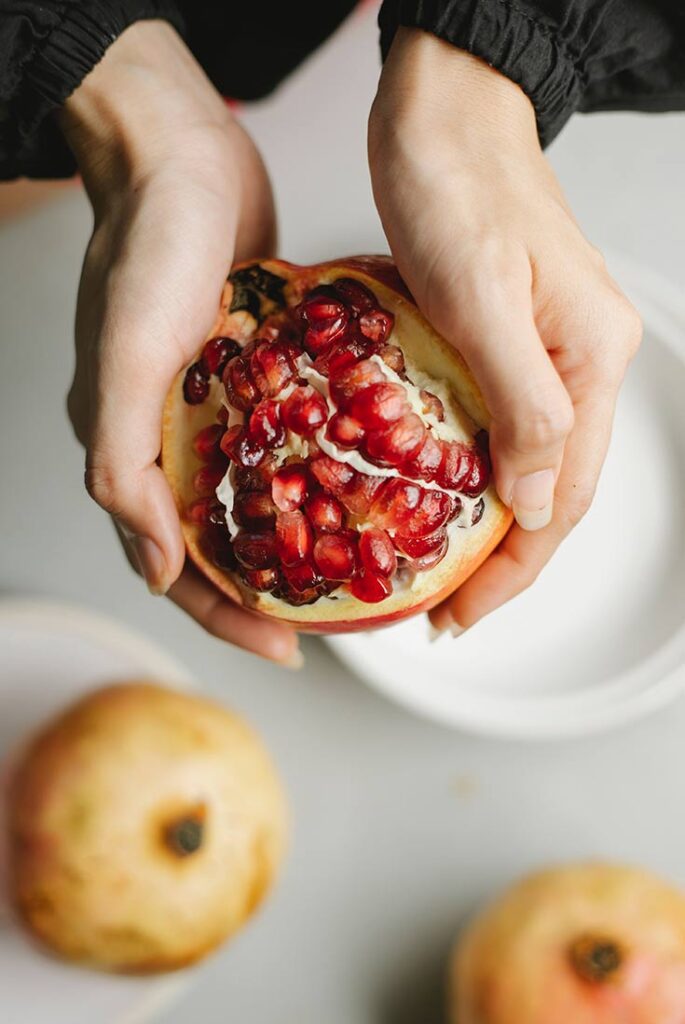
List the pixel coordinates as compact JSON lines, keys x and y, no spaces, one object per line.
{"x":661,"y":302}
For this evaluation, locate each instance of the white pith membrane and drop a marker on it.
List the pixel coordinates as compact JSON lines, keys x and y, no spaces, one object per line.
{"x":441,"y":372}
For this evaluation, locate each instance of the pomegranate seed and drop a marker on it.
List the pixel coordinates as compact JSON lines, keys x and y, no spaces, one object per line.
{"x":456,"y":507}
{"x":240,"y":388}
{"x":358,"y":495}
{"x":398,"y":443}
{"x":222,"y":415}
{"x":254,"y":510}
{"x":256,"y":550}
{"x":321,"y":304}
{"x":428,"y":561}
{"x":335,"y":557}
{"x":216,"y":354}
{"x":393,"y":357}
{"x":271,"y":368}
{"x":296,"y":597}
{"x":332,"y":475}
{"x":258,"y":478}
{"x":294,"y":537}
{"x":433,"y":511}
{"x":416,"y":547}
{"x":302,"y":577}
{"x":208,"y":478}
{"x":345,"y":431}
{"x":347,"y":381}
{"x":195,"y":385}
{"x":325,"y":512}
{"x":377,"y":325}
{"x":369,"y":588}
{"x":289,"y":487}
{"x":260,"y":579}
{"x":207,"y":511}
{"x":378,"y":405}
{"x":377,"y":552}
{"x":241,"y":448}
{"x":395,"y":503}
{"x":355,"y":295}
{"x":305,"y":410}
{"x":427,"y":460}
{"x":216,"y":545}
{"x":432,"y":405}
{"x":206,"y":442}
{"x":343,"y":354}
{"x":463,"y":468}
{"x":266,"y":427}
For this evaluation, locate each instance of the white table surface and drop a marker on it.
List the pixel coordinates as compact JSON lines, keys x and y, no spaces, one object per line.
{"x":401,"y":826}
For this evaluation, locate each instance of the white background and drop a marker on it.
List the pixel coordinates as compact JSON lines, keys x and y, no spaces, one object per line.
{"x":400,"y":827}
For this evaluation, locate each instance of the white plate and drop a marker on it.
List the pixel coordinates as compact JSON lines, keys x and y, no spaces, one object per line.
{"x":51,"y":654}
{"x":600,"y":638}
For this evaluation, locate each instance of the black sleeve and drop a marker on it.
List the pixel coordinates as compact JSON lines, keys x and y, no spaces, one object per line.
{"x":567,"y":55}
{"x":46,"y":50}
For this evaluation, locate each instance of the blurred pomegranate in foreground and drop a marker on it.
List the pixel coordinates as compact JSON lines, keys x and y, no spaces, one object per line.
{"x":327,"y":449}
{"x":584,"y":944}
{"x":144,"y":826}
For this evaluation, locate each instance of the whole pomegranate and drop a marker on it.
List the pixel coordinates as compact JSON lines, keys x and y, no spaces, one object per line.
{"x":327,"y":449}
{"x":144,"y":826}
{"x":584,"y":944}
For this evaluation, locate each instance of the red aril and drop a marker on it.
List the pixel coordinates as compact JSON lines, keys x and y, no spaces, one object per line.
{"x":305,"y":410}
{"x":216,"y":354}
{"x":208,"y":478}
{"x":376,"y":325}
{"x":398,"y":443}
{"x":241,"y":390}
{"x":345,"y":431}
{"x":266,"y":427}
{"x":325,"y":512}
{"x":206,"y":442}
{"x":377,"y":552}
{"x":293,"y":537}
{"x":355,"y":295}
{"x":254,"y":510}
{"x":378,"y":405}
{"x":335,"y":556}
{"x":369,"y":588}
{"x":332,"y":475}
{"x":241,"y":448}
{"x":338,"y":473}
{"x":289,"y":487}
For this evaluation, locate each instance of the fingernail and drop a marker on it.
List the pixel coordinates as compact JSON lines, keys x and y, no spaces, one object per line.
{"x":152,"y":564}
{"x":456,"y":629}
{"x":295,"y":660}
{"x":532,"y":499}
{"x":434,"y":633}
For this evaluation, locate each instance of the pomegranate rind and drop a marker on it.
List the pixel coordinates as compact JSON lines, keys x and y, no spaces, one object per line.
{"x":513,"y":965}
{"x":437,"y":358}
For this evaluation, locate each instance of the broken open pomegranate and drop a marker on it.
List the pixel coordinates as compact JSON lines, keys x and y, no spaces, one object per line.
{"x":327,"y":449}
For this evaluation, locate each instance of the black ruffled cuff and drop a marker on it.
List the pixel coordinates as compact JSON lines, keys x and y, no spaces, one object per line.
{"x":63,"y":42}
{"x":526,"y":49}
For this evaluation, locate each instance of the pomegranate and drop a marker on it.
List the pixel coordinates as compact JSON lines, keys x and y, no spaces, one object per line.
{"x":349,"y":441}
{"x":144,"y":826}
{"x":583,"y":944}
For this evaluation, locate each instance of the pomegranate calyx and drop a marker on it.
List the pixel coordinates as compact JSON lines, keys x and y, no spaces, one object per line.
{"x":596,"y":958}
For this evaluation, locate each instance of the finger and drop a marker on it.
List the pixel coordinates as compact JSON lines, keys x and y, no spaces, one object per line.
{"x":228,"y":621}
{"x":521,"y":556}
{"x":489,"y":318}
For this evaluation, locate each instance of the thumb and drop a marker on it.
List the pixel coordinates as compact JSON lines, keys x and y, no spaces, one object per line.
{"x":490,"y":320}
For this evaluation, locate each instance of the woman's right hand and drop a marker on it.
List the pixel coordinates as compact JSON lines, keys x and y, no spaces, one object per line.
{"x":178,"y":192}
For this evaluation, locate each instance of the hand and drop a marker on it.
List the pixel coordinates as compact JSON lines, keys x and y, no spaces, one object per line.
{"x":178,"y":190}
{"x":485,"y":240}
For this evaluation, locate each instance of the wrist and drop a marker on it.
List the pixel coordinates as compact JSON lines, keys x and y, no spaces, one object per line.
{"x":428,"y":85}
{"x":139,"y":106}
